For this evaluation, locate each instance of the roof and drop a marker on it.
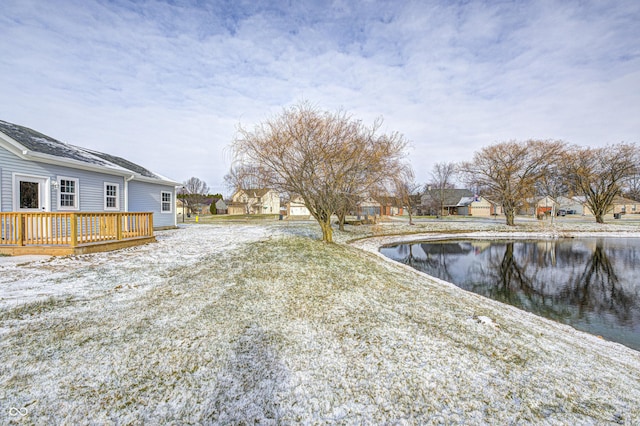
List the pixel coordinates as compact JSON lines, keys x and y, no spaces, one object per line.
{"x":451,"y":196}
{"x":33,"y":145}
{"x":256,"y":192}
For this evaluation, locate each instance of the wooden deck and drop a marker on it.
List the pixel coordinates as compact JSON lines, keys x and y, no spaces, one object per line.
{"x":72,"y":233}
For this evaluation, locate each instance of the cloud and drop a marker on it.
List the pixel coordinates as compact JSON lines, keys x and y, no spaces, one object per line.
{"x":165,"y":83}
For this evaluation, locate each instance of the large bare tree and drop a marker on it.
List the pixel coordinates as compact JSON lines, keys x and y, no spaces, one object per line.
{"x":508,"y":171}
{"x":327,"y":158}
{"x":598,"y":174}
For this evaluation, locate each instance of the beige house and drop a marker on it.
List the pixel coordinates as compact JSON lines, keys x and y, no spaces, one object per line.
{"x":474,"y":206}
{"x":621,"y":205}
{"x":255,"y":201}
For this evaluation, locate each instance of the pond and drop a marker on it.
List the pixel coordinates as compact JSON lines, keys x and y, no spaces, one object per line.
{"x":592,"y":284}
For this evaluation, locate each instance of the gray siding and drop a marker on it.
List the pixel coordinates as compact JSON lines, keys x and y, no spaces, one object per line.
{"x":146,"y":197}
{"x":90,"y":184}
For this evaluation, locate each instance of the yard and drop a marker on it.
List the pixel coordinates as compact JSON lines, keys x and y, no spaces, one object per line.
{"x":258,"y":323}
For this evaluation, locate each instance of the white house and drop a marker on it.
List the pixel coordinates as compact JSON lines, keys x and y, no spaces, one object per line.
{"x":296,"y":208}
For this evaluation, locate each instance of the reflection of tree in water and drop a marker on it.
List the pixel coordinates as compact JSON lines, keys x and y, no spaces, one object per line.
{"x":569,"y":281}
{"x":435,"y":259}
{"x":591,"y":284}
{"x":599,"y":289}
{"x":510,"y":275}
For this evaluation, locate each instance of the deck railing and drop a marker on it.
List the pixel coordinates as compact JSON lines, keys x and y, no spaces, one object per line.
{"x":72,"y":229}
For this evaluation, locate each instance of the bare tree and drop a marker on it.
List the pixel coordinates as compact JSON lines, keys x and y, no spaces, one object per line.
{"x":245,"y":176}
{"x":508,"y":171}
{"x":407,"y":190}
{"x":599,"y":173}
{"x":325,"y":158}
{"x":632,"y":187}
{"x":552,"y":184}
{"x":441,"y":179}
{"x":194,"y":194}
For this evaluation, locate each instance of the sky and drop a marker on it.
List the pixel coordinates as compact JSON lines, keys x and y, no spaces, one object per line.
{"x":166,"y":84}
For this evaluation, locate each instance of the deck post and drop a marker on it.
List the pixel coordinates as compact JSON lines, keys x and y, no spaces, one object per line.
{"x":74,"y":230}
{"x":119,"y":217}
{"x":20,"y":235}
{"x":150,"y":230}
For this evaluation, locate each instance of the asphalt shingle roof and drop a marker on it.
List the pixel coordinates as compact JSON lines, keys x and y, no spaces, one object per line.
{"x":37,"y":142}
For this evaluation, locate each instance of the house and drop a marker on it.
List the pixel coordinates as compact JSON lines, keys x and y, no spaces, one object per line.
{"x":620,"y":205}
{"x":368,"y":206}
{"x":296,"y":209}
{"x":455,"y":202}
{"x":254,"y":201}
{"x":474,"y":206}
{"x":221,"y":206}
{"x":390,"y":206}
{"x":571,"y":205}
{"x":539,"y":206}
{"x":45,"y":180}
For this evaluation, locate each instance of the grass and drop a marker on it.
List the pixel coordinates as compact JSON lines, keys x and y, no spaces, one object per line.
{"x":283,"y":329}
{"x":216,"y":218}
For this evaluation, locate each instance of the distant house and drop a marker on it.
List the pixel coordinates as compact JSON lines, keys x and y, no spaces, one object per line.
{"x":620,"y":205}
{"x":39,"y":174}
{"x":455,"y":202}
{"x":221,"y":206}
{"x":548,"y":205}
{"x":390,"y":206}
{"x":296,"y":209}
{"x":576,"y":206}
{"x":254,"y":201}
{"x":539,"y":206}
{"x":474,"y":206}
{"x":368,"y":206}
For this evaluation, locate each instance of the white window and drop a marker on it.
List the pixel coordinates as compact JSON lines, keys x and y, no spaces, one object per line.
{"x":166,"y":203}
{"x":67,"y":193}
{"x":111,"y":196}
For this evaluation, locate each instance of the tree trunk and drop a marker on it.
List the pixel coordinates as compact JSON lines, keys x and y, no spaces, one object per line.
{"x":599,"y":218}
{"x":341,"y":219}
{"x":510,"y":215}
{"x":327,"y":232}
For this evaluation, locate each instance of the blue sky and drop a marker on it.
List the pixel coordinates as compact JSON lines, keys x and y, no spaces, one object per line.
{"x":166,"y":83}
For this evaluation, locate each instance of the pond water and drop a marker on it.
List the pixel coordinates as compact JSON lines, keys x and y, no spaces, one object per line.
{"x":592,"y":284}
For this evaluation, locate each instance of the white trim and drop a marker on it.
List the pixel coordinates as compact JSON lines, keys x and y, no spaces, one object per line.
{"x":126,"y":192}
{"x":117,"y":206}
{"x":171,"y":201}
{"x":76,"y":194}
{"x":46,"y":194}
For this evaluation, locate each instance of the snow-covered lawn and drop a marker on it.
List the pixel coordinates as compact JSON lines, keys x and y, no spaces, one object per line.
{"x":262,"y":323}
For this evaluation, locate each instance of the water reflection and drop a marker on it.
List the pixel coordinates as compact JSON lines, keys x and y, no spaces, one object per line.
{"x":592,"y":284}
